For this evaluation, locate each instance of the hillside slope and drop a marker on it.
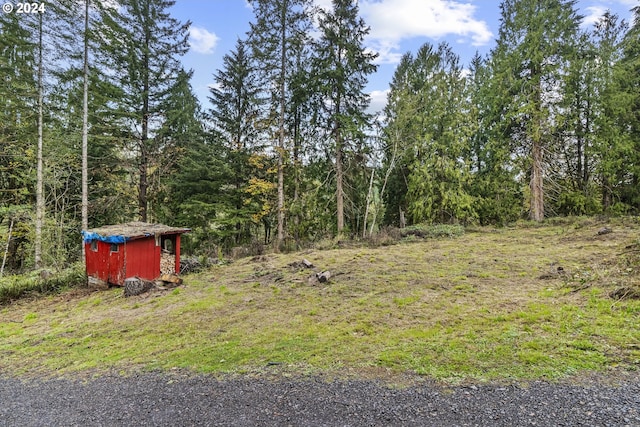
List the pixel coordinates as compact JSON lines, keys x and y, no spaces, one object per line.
{"x":514,"y":303}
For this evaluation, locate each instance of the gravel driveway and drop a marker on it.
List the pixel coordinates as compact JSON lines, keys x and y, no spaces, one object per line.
{"x":156,"y":399}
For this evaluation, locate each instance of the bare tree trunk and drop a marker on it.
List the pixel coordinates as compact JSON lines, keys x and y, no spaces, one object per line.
{"x":607,"y":194}
{"x":39,"y":178}
{"x":392,"y":164}
{"x":6,"y":250}
{"x":296,"y":176}
{"x":537,"y":190}
{"x":586,"y":176}
{"x":143,"y":184}
{"x":366,"y":208}
{"x":85,"y":123}
{"x":339,"y":182}
{"x":537,"y":168}
{"x":337,"y":133}
{"x":283,"y":65}
{"x":143,"y":165}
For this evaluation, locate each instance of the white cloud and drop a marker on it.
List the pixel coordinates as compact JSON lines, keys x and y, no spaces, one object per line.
{"x":202,"y":41}
{"x":392,"y":21}
{"x":397,"y":19}
{"x":627,"y":5}
{"x":387,"y":52}
{"x":323,"y":4}
{"x":592,"y":15}
{"x":378,"y":100}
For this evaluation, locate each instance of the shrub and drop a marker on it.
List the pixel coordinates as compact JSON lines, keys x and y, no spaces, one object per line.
{"x":386,"y":236}
{"x":433,"y":231}
{"x":41,"y":282}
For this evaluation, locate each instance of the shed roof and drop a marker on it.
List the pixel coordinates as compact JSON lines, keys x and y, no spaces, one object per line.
{"x":120,"y":233}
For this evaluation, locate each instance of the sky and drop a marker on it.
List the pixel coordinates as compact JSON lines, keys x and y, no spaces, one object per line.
{"x":396,"y":27}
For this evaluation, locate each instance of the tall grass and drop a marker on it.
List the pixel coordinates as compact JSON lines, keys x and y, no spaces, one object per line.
{"x":41,"y":282}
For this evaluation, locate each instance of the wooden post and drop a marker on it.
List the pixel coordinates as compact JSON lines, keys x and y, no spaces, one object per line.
{"x":176,"y":250}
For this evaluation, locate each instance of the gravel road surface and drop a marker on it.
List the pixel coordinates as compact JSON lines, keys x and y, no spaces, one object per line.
{"x":157,"y":399}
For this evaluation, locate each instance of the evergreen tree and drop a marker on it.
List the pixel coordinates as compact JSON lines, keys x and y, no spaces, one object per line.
{"x":182,"y":126}
{"x":195,"y":189}
{"x":622,"y":167}
{"x":143,"y":44}
{"x":17,"y":119}
{"x":17,"y":129}
{"x":110,"y":190}
{"x":576,"y":130}
{"x":589,"y":118}
{"x":529,"y":60}
{"x":300,"y":113}
{"x":342,"y":67}
{"x":493,"y":176}
{"x":280,"y":25}
{"x":399,"y":140}
{"x":437,"y":179}
{"x":235,"y":117}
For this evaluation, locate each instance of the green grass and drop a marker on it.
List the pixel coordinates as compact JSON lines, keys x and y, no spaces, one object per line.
{"x":473,"y":307}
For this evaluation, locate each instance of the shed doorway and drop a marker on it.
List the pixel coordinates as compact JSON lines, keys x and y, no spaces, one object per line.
{"x":168,"y":254}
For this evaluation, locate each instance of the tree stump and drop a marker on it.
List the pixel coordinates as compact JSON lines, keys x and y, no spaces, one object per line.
{"x":604,"y":230}
{"x":324,"y":276}
{"x":136,"y":286}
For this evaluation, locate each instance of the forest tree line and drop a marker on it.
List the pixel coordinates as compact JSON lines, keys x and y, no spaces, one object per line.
{"x":99,"y":125}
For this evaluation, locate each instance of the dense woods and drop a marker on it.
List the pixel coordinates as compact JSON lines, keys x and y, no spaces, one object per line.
{"x":99,"y":125}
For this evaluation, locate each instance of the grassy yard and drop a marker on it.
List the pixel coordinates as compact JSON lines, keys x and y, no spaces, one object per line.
{"x":517,"y":303}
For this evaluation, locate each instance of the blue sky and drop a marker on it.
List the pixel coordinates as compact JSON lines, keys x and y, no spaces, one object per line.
{"x":397,"y":27}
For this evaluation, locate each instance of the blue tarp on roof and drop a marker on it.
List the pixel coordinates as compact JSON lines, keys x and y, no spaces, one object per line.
{"x":120,"y":233}
{"x":89,"y":236}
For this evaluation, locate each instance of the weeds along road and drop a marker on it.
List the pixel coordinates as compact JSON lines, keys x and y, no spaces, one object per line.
{"x":154,"y":399}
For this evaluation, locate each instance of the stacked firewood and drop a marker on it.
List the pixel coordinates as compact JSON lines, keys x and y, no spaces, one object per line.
{"x":167,"y":263}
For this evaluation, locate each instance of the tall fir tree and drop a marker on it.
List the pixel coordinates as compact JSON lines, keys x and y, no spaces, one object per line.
{"x":493,"y":176}
{"x":398,"y":141}
{"x":623,"y":166}
{"x":182,"y":126}
{"x":589,"y":118}
{"x":236,"y":115}
{"x":341,"y":69}
{"x":143,"y":44}
{"x":17,"y":127}
{"x":430,"y":113}
{"x":17,"y":120}
{"x":280,"y":25}
{"x":529,"y":60}
{"x":301,"y":109}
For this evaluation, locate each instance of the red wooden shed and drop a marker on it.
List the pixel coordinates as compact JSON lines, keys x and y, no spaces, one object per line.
{"x":135,"y":249}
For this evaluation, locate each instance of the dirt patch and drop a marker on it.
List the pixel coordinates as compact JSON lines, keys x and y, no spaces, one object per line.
{"x":625,"y":293}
